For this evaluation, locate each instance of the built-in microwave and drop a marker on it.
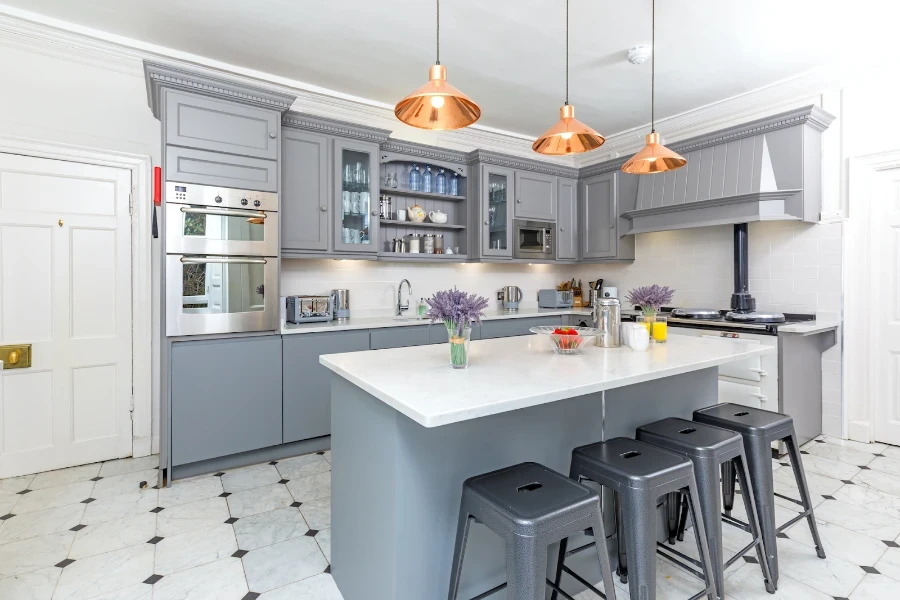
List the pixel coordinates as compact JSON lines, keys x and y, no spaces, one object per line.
{"x":534,"y":239}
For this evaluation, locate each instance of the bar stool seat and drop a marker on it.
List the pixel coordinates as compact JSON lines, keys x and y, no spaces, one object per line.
{"x":530,"y":507}
{"x":759,"y":429}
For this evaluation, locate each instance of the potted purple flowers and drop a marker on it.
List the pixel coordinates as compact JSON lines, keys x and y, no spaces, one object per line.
{"x":650,"y":298}
{"x":458,"y":310}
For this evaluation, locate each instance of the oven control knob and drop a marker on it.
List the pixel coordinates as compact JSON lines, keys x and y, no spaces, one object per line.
{"x":256,"y":203}
{"x":218,"y":199}
{"x":243,"y":202}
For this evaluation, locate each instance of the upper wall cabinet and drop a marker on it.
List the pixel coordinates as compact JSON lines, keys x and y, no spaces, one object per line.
{"x":567,"y":219}
{"x":305,"y":200}
{"x":356,"y":180}
{"x":196,"y":121}
{"x":603,"y":198}
{"x":535,"y":196}
{"x":495,"y":214}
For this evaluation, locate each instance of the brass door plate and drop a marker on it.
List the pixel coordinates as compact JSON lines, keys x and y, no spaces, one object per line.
{"x":16,"y":356}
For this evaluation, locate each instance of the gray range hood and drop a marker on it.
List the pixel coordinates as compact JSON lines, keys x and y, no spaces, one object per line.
{"x":766,"y":170}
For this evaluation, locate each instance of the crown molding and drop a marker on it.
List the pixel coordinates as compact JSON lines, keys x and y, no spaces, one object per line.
{"x":306,"y":122}
{"x":424,"y":151}
{"x":515,"y":162}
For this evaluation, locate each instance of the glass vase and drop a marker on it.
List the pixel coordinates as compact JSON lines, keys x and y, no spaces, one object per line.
{"x":459,"y":345}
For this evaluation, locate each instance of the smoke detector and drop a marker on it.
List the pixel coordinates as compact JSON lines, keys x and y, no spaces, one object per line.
{"x":639,"y":54}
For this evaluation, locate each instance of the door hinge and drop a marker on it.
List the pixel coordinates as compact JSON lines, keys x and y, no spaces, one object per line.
{"x":131,"y":203}
{"x":131,"y":404}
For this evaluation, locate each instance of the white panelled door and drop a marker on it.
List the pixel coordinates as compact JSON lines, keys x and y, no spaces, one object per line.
{"x":885,"y":210}
{"x":65,"y":288}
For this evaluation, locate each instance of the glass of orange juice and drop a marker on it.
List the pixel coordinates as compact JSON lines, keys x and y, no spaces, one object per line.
{"x":660,"y":329}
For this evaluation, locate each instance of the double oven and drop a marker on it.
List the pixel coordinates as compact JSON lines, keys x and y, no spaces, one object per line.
{"x":221,"y":260}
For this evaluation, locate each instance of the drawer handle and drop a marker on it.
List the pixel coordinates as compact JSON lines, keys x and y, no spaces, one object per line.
{"x":762,"y":397}
{"x":762,"y":372}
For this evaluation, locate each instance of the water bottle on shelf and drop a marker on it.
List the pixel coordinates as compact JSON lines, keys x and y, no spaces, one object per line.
{"x":415,"y":178}
{"x":441,"y":183}
{"x":454,"y":185}
{"x":428,"y":180}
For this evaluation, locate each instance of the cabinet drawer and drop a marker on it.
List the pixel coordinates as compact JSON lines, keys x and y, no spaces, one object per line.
{"x":222,"y":126}
{"x":213,"y":168}
{"x":400,"y":337}
{"x":744,"y":395}
{"x":510,"y":327}
{"x":749,"y":369}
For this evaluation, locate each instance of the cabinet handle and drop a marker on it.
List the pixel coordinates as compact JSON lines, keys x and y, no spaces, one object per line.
{"x":324,"y":208}
{"x":374,"y":213}
{"x":485,"y":222}
{"x":519,"y":200}
{"x":562,"y":228}
{"x":273,"y":135}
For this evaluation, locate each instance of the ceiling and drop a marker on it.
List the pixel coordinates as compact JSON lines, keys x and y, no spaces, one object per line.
{"x":508,"y":55}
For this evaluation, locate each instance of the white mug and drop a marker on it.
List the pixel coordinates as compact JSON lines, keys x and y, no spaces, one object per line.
{"x":401,"y":214}
{"x":345,"y":235}
{"x":345,"y":201}
{"x":356,"y":235}
{"x":354,"y":202}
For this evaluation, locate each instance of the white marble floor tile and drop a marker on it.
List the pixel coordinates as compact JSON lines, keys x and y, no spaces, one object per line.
{"x":118,"y":507}
{"x":303,"y":466}
{"x":827,"y":467}
{"x":34,"y":553}
{"x":113,"y":535}
{"x":250,"y":477}
{"x":11,"y":485}
{"x":746,"y":584}
{"x":891,"y":451}
{"x":862,"y":495}
{"x":843,"y":543}
{"x":791,"y":491}
{"x":879,"y":481}
{"x":55,"y":496}
{"x":672,"y":583}
{"x":112,"y":468}
{"x":220,"y":580}
{"x":37,"y":585}
{"x":874,"y":448}
{"x":889,"y":563}
{"x":125,"y":483}
{"x":64,"y":476}
{"x":320,"y":587}
{"x":833,"y":576}
{"x":819,"y":485}
{"x":7,"y":502}
{"x":138,"y":591}
{"x":782,"y":515}
{"x":105,"y":573}
{"x":190,"y":490}
{"x":843,"y":454}
{"x":196,"y":515}
{"x":195,"y":548}
{"x":275,"y":566}
{"x":859,"y":519}
{"x":265,"y":529}
{"x":891,"y":466}
{"x":41,"y":522}
{"x":327,"y":456}
{"x":876,"y":587}
{"x":317,"y":513}
{"x":259,"y":500}
{"x":310,"y":488}
{"x":323,"y":538}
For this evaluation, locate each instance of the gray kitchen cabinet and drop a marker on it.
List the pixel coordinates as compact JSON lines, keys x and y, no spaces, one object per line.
{"x":305,"y":202}
{"x":356,"y":186}
{"x":499,"y":328}
{"x":497,"y":191}
{"x":598,"y":216}
{"x":225,"y":397}
{"x":196,"y":121}
{"x":567,"y":219}
{"x":307,"y":384}
{"x":187,"y":165}
{"x":535,"y":196}
{"x":400,"y":337}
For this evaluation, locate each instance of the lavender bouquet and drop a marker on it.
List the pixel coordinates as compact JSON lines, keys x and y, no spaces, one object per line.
{"x":458,"y":310}
{"x":650,"y":298}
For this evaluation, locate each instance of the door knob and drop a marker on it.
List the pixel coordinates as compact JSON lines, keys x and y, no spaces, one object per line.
{"x":60,"y":222}
{"x":13,"y":357}
{"x":16,"y":356}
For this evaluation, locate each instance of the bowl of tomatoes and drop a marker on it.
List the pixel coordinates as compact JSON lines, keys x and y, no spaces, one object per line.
{"x":566,"y":340}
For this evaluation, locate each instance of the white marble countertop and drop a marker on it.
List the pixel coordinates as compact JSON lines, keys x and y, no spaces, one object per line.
{"x":808,"y":327}
{"x":517,"y":372}
{"x":379,"y":319}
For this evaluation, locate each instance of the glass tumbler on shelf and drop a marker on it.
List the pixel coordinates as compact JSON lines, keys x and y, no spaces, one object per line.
{"x":647,"y":322}
{"x":660,"y":329}
{"x":441,"y":183}
{"x":428,"y":180}
{"x":454,"y":185}
{"x":415,"y":178}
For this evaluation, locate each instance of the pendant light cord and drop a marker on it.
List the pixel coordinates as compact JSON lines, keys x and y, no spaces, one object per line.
{"x":438,"y":33}
{"x":567,"y":52}
{"x":652,"y":67}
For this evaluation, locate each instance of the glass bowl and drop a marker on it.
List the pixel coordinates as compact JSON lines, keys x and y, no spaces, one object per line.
{"x":566,"y":343}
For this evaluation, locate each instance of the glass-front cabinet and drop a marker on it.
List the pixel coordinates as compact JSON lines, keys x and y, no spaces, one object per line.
{"x":356,"y":185}
{"x":496,"y":223}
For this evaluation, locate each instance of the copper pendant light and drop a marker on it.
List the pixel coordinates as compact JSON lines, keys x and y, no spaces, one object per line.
{"x":437,"y":104}
{"x":568,"y":135}
{"x":654,"y":157}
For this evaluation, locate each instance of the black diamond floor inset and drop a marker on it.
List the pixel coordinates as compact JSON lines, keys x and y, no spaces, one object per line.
{"x":840,"y":598}
{"x":251,"y":596}
{"x":23,"y":492}
{"x":320,"y":453}
{"x":273,"y":463}
{"x":224,"y":494}
{"x":78,"y":528}
{"x":804,"y":452}
{"x":240,"y":554}
{"x":231,"y":520}
{"x":328,"y":569}
{"x":864,"y":468}
{"x":220,"y":473}
{"x":296,"y":504}
{"x":782,"y":536}
{"x":8,"y":516}
{"x":871,"y":570}
{"x":96,"y":478}
{"x":88,"y":500}
{"x":158,"y":509}
{"x":827,"y":497}
{"x":847,"y":482}
{"x":284,"y":481}
{"x":312,"y":532}
{"x":819,"y":441}
{"x":891,"y":544}
{"x":155,"y":540}
{"x":751,"y":560}
{"x":153,"y":579}
{"x":64,"y":563}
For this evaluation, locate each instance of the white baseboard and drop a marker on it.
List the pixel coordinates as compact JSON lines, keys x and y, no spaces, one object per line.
{"x":141,"y":446}
{"x":859,"y":431}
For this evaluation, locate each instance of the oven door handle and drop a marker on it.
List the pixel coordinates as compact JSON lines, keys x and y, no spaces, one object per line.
{"x":223,"y":260}
{"x":223,"y":212}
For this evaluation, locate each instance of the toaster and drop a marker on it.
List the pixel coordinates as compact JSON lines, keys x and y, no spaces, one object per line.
{"x":556,"y":298}
{"x":308,"y":309}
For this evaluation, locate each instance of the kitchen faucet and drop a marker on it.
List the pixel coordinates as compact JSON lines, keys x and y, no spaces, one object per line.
{"x":402,"y":307}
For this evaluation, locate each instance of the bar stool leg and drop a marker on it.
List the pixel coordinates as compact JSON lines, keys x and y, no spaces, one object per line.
{"x":609,"y":585}
{"x":707,"y":475}
{"x":800,"y":477}
{"x":682,"y":519}
{"x":728,"y":476}
{"x":526,"y":569}
{"x":621,"y":548}
{"x":560,"y":560}
{"x":759,"y":463}
{"x":459,"y":550}
{"x":673,"y":500}
{"x":740,"y":467}
{"x":701,"y":537}
{"x":640,"y":513}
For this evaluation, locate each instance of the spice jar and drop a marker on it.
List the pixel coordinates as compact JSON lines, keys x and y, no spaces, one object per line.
{"x":438,"y":243}
{"x":412,"y":245}
{"x":429,"y":243}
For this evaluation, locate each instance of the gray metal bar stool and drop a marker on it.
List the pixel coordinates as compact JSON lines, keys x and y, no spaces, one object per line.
{"x":708,"y":448}
{"x":639,"y":474}
{"x":759,"y":429}
{"x":530,"y":507}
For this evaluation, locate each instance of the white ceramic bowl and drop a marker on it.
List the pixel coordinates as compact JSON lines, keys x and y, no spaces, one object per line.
{"x":565,"y":343}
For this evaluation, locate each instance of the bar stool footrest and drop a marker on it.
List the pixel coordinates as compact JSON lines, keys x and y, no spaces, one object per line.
{"x":741,"y":553}
{"x":580,"y":580}
{"x":799,"y":517}
{"x":687,"y":568}
{"x":490,"y":592}
{"x":789,"y":499}
{"x":736,"y":523}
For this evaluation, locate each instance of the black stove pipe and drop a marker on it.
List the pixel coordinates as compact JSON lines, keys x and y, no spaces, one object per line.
{"x":741,"y":300}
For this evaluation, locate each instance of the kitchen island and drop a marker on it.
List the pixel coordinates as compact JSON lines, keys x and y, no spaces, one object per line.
{"x":407,"y":430}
